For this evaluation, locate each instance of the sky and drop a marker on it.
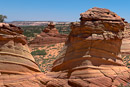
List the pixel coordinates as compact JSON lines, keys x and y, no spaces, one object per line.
{"x":58,"y":10}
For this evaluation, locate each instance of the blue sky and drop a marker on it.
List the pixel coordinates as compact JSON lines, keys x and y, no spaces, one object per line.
{"x":58,"y":10}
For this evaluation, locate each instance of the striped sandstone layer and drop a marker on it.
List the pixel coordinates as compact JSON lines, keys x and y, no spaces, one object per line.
{"x":92,"y":50}
{"x":15,"y":56}
{"x":90,"y":58}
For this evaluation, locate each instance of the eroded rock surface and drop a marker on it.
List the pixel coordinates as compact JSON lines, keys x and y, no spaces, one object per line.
{"x":125,"y":47}
{"x":126,"y":40}
{"x":17,"y":66}
{"x":50,"y":35}
{"x":92,"y":51}
{"x":91,"y":56}
{"x":15,"y":56}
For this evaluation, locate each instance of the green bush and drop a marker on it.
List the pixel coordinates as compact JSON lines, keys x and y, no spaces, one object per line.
{"x":121,"y":85}
{"x":39,"y":52}
{"x":63,"y":28}
{"x":126,"y":60}
{"x":31,"y":31}
{"x":2,"y":18}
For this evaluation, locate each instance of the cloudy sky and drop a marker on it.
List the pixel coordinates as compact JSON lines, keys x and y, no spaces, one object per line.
{"x":58,"y":10}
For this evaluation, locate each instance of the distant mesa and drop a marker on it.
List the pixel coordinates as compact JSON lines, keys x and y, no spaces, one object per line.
{"x":35,"y":23}
{"x":49,"y":35}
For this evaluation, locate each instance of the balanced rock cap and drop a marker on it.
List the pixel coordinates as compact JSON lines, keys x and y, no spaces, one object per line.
{"x":93,"y":45}
{"x":100,"y":14}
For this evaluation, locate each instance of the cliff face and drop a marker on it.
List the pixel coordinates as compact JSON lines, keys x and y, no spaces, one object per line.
{"x":50,"y":35}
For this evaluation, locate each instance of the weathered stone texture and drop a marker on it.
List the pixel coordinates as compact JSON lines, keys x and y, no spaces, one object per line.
{"x":91,"y":56}
{"x":50,"y":35}
{"x":92,"y":51}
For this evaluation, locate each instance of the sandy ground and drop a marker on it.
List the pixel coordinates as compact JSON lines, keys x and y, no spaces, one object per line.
{"x":45,"y":62}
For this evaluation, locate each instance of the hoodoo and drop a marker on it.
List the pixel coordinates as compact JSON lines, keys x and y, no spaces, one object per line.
{"x":49,"y":35}
{"x":15,"y":56}
{"x":92,"y":50}
{"x":17,"y":66}
{"x":90,"y":58}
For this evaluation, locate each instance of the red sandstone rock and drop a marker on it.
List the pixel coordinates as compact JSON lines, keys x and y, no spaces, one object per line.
{"x":17,"y":66}
{"x":92,"y":51}
{"x":90,"y":58}
{"x":50,"y":35}
{"x":126,"y":41}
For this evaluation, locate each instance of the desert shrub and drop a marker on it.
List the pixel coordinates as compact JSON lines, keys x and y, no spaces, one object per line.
{"x":51,"y":46}
{"x":39,"y":52}
{"x":2,"y":18}
{"x":126,"y":60}
{"x":121,"y":85}
{"x":31,"y":31}
{"x":44,"y":64}
{"x":47,"y":63}
{"x":63,"y":28}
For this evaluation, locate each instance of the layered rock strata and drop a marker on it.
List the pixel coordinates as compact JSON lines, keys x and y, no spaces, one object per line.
{"x":92,"y":50}
{"x":50,"y":35}
{"x":17,"y":66}
{"x":125,"y":47}
{"x":90,"y":58}
{"x":126,"y":41}
{"x":15,"y":56}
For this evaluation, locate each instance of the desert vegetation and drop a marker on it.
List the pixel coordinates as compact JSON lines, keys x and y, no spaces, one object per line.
{"x":31,"y":31}
{"x":121,"y":85}
{"x":39,"y":52}
{"x":46,"y":55}
{"x":2,"y":18}
{"x":126,"y":60}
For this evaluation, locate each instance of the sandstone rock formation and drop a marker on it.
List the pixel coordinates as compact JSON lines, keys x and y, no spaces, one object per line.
{"x":15,"y":58}
{"x":125,"y":47}
{"x":50,"y":35}
{"x":17,"y":66}
{"x":126,"y":40}
{"x":14,"y":51}
{"x":90,"y":58}
{"x":92,"y":51}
